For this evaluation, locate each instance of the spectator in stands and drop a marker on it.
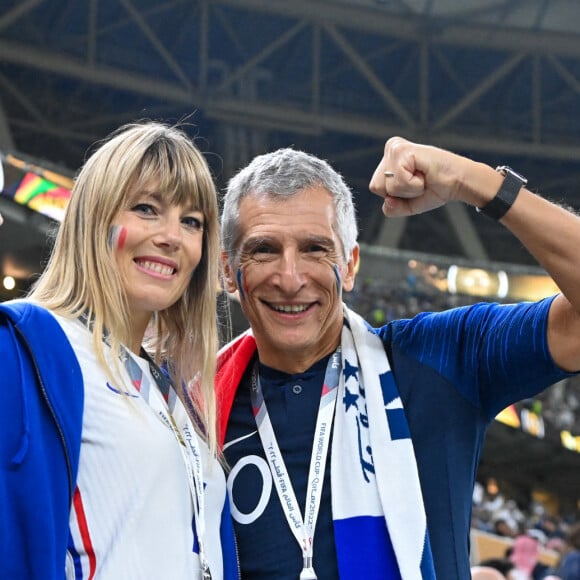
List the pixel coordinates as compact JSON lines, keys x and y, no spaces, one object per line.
{"x":502,"y":528}
{"x":570,"y":566}
{"x":525,"y":555}
{"x":486,"y":573}
{"x":538,"y":535}
{"x":415,"y":397}
{"x":550,"y":525}
{"x":108,"y":465}
{"x":557,"y":545}
{"x":503,"y":565}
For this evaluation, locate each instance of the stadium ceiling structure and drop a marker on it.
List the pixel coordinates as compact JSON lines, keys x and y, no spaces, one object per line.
{"x":498,"y":80}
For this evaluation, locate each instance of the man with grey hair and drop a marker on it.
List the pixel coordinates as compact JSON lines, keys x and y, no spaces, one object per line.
{"x":354,"y":450}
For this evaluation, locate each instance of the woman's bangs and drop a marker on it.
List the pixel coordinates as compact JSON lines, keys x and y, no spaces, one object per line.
{"x":187,"y":182}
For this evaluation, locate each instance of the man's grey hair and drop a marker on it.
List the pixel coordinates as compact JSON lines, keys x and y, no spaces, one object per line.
{"x":282,"y":174}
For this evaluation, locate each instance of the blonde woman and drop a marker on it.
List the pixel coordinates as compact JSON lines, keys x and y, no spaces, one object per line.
{"x":109,"y":465}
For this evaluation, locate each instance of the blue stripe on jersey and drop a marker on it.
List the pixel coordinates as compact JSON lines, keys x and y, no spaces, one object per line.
{"x":76,"y":557}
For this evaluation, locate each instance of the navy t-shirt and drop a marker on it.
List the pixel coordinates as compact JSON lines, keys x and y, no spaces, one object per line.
{"x":454,"y":370}
{"x":292,"y":402}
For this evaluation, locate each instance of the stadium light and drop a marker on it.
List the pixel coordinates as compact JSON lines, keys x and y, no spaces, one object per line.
{"x":9,"y":283}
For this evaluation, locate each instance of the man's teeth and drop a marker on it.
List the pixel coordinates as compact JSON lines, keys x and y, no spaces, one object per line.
{"x":291,"y":308}
{"x":158,"y":268}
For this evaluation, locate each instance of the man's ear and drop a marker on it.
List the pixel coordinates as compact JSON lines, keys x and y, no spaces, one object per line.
{"x":351,"y":270}
{"x":229,"y":277}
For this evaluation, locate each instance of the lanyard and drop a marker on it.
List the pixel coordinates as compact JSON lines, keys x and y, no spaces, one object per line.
{"x":302,"y":527}
{"x":164,"y":402}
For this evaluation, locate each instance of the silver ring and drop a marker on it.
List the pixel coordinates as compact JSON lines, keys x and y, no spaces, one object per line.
{"x":389,"y":174}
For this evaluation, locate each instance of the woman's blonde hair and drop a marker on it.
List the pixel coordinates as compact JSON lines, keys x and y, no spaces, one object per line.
{"x":82,"y":276}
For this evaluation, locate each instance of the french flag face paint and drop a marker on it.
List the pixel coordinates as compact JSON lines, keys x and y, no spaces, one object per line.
{"x":117,"y":237}
{"x":240,"y":279}
{"x":338,"y":278}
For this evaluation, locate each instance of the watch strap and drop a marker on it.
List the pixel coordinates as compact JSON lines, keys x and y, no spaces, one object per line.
{"x":506,"y":195}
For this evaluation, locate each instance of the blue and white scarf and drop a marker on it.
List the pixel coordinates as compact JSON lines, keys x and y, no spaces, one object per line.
{"x":379,"y":517}
{"x":377,"y":505}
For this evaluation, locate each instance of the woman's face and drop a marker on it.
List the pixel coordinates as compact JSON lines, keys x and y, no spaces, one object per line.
{"x":157,"y":246}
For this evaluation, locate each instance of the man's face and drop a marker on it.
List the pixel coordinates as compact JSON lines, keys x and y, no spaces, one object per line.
{"x":290,"y":277}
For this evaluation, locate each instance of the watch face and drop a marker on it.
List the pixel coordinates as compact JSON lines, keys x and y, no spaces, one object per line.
{"x":505,"y":169}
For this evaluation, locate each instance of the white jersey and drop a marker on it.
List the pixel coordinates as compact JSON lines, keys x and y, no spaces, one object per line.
{"x":132,"y":515}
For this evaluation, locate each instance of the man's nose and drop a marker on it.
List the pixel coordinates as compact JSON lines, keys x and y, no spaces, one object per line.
{"x":290,"y":273}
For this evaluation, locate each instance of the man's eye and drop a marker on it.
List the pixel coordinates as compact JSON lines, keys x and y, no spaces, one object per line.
{"x":262,"y":253}
{"x":316,"y":248}
{"x":193,"y":222}
{"x":263,"y":250}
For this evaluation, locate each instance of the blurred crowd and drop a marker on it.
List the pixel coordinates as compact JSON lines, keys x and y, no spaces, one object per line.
{"x":531,"y":532}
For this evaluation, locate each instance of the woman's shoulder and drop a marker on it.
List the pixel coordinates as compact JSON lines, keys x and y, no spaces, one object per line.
{"x":24,"y":312}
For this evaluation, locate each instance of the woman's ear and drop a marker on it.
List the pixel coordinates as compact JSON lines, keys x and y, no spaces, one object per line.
{"x":229,"y":278}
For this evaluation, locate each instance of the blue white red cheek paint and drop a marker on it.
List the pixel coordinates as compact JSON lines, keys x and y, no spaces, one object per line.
{"x":338,"y":278}
{"x":241,"y":287}
{"x":117,"y":237}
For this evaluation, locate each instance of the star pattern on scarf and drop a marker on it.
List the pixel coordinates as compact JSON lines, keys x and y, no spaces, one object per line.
{"x":349,"y":400}
{"x":349,"y":371}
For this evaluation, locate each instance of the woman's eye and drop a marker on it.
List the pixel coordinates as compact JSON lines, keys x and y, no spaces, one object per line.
{"x":144,"y":208}
{"x":193,"y":222}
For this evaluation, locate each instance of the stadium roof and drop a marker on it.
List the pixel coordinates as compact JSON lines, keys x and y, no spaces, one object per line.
{"x":495,"y":79}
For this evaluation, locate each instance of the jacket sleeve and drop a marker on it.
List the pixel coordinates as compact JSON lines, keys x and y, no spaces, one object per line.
{"x":38,"y":451}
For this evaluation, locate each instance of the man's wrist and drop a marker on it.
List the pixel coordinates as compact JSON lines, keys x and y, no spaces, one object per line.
{"x":506,"y":195}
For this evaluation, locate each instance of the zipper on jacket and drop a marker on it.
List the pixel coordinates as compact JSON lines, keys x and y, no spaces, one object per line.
{"x":52,"y":412}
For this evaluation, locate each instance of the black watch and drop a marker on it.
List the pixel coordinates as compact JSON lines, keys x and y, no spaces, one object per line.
{"x":505,"y":197}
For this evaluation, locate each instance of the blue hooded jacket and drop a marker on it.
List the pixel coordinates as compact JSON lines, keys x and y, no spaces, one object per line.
{"x":41,"y":408}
